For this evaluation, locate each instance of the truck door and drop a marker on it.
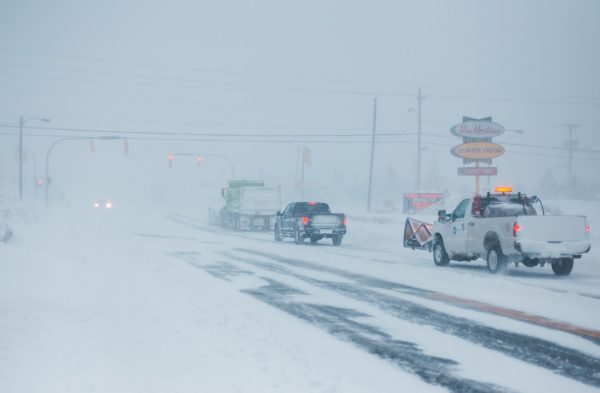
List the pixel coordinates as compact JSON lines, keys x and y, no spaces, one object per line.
{"x":286,"y":218}
{"x":457,"y":234}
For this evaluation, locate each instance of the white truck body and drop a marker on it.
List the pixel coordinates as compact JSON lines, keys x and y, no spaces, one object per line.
{"x":259,"y":201}
{"x":256,"y":208}
{"x":519,"y":233}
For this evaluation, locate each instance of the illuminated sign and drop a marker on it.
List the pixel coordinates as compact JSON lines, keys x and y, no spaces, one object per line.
{"x":477,"y":150}
{"x":477,"y":129}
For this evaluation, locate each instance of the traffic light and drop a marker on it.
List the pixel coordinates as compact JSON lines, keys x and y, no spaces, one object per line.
{"x":170,"y":158}
{"x":39,"y":182}
{"x":199,"y":160}
{"x":306,"y":156}
{"x":125,"y":147}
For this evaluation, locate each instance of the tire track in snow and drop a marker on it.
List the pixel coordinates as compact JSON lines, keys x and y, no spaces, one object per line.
{"x":562,"y":360}
{"x":341,"y":323}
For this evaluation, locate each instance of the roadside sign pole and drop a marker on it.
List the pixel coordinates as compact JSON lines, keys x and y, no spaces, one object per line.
{"x":477,"y":179}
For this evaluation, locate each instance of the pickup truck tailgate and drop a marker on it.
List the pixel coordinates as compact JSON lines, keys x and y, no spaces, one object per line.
{"x":553,"y":236}
{"x":552,"y":228}
{"x":327,"y":221}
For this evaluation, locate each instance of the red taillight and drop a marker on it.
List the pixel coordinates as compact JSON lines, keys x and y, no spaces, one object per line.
{"x":345,"y":220}
{"x":588,"y":229}
{"x":305,"y":220}
{"x":516,"y":229}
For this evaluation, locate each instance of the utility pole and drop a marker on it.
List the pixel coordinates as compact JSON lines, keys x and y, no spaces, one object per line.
{"x":21,"y":122}
{"x":420,"y":98}
{"x":372,"y":154}
{"x":302,"y":172}
{"x":572,"y":144}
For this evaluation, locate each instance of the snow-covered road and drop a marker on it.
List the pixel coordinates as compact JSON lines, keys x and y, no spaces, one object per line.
{"x":154,"y":301}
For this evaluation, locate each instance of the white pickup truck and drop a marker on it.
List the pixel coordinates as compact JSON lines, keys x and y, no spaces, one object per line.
{"x":506,"y":228}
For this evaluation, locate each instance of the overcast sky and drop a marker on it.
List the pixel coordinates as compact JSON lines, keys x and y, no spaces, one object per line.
{"x":297,"y":68}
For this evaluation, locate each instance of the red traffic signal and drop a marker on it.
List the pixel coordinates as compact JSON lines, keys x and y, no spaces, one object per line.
{"x":199,"y":160}
{"x":170,"y":158}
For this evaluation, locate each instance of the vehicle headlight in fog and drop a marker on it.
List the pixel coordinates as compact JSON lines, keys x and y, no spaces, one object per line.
{"x":108,"y":205}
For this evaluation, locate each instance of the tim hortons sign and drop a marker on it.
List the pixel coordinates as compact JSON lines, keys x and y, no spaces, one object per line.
{"x":478,"y":129}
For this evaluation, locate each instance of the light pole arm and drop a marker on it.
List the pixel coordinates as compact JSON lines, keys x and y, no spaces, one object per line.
{"x":228,"y":161}
{"x":48,"y":158}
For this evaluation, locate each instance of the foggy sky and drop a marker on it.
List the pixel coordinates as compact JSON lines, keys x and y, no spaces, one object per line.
{"x":310,"y":67}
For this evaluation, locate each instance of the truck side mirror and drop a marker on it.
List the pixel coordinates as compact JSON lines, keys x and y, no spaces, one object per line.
{"x":442,"y":215}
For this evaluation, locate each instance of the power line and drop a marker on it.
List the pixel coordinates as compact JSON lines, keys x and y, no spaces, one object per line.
{"x":217,"y":134}
{"x":290,"y":141}
{"x":268,"y":135}
{"x":282,"y":76}
{"x":218,"y":124}
{"x":284,"y":90}
{"x":188,"y":102}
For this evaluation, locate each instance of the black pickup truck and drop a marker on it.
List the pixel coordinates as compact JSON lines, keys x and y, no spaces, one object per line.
{"x":313,"y":220}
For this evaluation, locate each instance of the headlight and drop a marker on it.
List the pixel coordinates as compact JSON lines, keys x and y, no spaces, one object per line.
{"x":96,"y":204}
{"x":108,"y":205}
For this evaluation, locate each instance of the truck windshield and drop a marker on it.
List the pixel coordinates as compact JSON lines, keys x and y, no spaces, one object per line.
{"x":505,"y":207}
{"x":309,"y":207}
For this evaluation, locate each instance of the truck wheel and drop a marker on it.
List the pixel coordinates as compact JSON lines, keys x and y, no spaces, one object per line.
{"x":278,"y":236}
{"x":298,"y":238}
{"x":337,"y":240}
{"x":562,"y":266}
{"x":440,"y":256}
{"x":496,"y":261}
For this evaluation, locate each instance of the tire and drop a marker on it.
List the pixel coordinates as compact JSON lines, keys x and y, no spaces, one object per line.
{"x":337,"y":240}
{"x":496,"y":261}
{"x":440,"y":256}
{"x":314,"y":239}
{"x":278,"y":236}
{"x":562,"y":266}
{"x":298,"y":238}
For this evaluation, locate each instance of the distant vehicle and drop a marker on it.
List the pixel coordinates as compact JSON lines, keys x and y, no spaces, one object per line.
{"x":5,"y":232}
{"x":313,"y":220}
{"x":249,"y":205}
{"x":505,"y":227}
{"x":102,"y":204}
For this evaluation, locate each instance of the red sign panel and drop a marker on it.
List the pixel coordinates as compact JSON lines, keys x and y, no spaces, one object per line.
{"x":417,"y":201}
{"x":478,"y":171}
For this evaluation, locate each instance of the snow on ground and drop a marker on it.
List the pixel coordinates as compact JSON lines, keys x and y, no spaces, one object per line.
{"x":152,"y":300}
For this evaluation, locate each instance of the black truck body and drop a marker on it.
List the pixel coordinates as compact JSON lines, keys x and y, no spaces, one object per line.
{"x":312,"y":220}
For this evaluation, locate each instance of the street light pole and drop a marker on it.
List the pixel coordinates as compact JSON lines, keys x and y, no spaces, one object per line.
{"x":22,"y":122}
{"x":420,"y":98}
{"x":30,"y":154}
{"x":372,"y":154}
